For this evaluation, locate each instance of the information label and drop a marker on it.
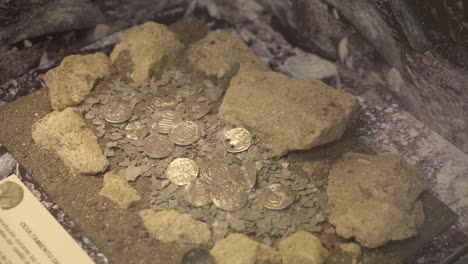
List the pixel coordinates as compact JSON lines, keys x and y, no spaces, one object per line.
{"x":29,"y":234}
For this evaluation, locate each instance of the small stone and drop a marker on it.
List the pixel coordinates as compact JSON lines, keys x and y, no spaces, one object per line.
{"x":133,"y":172}
{"x":302,"y":248}
{"x":171,"y":226}
{"x":351,"y":248}
{"x":119,"y":191}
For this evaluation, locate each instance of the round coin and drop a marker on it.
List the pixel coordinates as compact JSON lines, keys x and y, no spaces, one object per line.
{"x":185,"y":133}
{"x":276,"y":196}
{"x":165,"y":121}
{"x":117,"y":112}
{"x":237,"y":140}
{"x":198,"y":256}
{"x":158,"y":146}
{"x":215,"y":173}
{"x":182,"y":171}
{"x":228,"y":197}
{"x":197,"y":193}
{"x":11,"y":194}
{"x":244,"y":176}
{"x":136,"y":130}
{"x":161,"y":102}
{"x":198,"y":110}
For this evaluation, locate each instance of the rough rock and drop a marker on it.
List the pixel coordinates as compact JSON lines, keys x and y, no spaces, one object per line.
{"x":239,"y":249}
{"x":67,"y":134}
{"x":375,"y":198}
{"x":76,"y":76}
{"x":148,"y":46}
{"x":287,"y":114}
{"x":117,"y":189}
{"x":171,"y":226}
{"x":353,"y":250}
{"x":219,"y":54}
{"x":309,"y":66}
{"x":302,"y":248}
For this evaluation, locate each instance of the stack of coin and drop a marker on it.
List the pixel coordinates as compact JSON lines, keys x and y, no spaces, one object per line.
{"x":117,"y":112}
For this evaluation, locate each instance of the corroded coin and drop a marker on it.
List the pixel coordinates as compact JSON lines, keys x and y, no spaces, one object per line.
{"x":161,"y":103}
{"x":198,"y":110}
{"x":136,"y":130}
{"x":237,"y":140}
{"x":182,"y":171}
{"x":215,"y":173}
{"x":165,"y":121}
{"x":117,"y":112}
{"x":276,"y":196}
{"x":185,"y":133}
{"x":197,"y":193}
{"x":158,"y":146}
{"x":11,"y":194}
{"x":244,"y":176}
{"x":228,"y":197}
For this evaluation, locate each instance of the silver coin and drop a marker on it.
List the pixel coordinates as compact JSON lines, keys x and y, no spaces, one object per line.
{"x":161,"y":103}
{"x":11,"y":194}
{"x":215,"y":173}
{"x":197,"y":193}
{"x":244,"y":176}
{"x":182,"y":171}
{"x":198,"y":110}
{"x":136,"y":130}
{"x":165,"y":121}
{"x":158,"y":146}
{"x":117,"y":112}
{"x":237,"y":140}
{"x":276,"y":196}
{"x":228,"y":197}
{"x":185,"y":133}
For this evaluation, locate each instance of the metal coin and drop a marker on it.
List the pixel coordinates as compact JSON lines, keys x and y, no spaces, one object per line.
{"x":185,"y":133}
{"x":215,"y":173}
{"x":244,"y":176}
{"x":136,"y":130}
{"x":158,"y":146}
{"x":276,"y":196}
{"x":117,"y":112}
{"x":11,"y":194}
{"x":198,"y":256}
{"x":161,"y":102}
{"x":237,"y":140}
{"x":165,"y":121}
{"x":198,"y":110}
{"x":228,"y":197}
{"x":182,"y":171}
{"x":197,"y":193}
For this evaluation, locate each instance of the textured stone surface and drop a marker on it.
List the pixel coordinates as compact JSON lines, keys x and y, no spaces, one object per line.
{"x":239,"y":249}
{"x":375,"y":198}
{"x":76,"y":76}
{"x":302,"y":248}
{"x":117,"y":189}
{"x":66,"y":133}
{"x":219,"y":53}
{"x":171,"y":226}
{"x":287,"y":114}
{"x":148,"y":46}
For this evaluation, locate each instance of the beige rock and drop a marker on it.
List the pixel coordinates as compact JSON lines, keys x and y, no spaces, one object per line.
{"x":149,"y":45}
{"x":302,"y":248}
{"x":74,"y":78}
{"x":375,"y":198}
{"x":287,"y":114}
{"x":219,"y":53}
{"x":171,"y":226}
{"x":67,"y":134}
{"x":239,"y":249}
{"x":117,"y":189}
{"x":353,"y":250}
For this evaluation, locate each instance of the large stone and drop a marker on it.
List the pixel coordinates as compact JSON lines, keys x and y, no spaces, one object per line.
{"x":375,"y":198}
{"x":148,"y":47}
{"x":219,"y":53}
{"x":117,"y":189}
{"x":287,"y":114}
{"x":171,"y":226}
{"x":67,"y":134}
{"x":302,"y":248}
{"x":239,"y":249}
{"x":74,"y":78}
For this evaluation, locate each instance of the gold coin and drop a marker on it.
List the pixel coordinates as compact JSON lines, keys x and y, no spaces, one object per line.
{"x":165,"y":121}
{"x":244,"y":176}
{"x":185,"y":133}
{"x":215,"y":173}
{"x":228,"y":197}
{"x":237,"y":140}
{"x":276,"y":196}
{"x":117,"y":112}
{"x":158,"y":146}
{"x":182,"y":171}
{"x":197,"y":193}
{"x":198,"y":110}
{"x":11,"y":194}
{"x":161,"y":102}
{"x":136,"y":130}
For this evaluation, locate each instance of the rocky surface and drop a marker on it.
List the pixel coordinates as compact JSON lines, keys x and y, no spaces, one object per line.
{"x":171,"y":226}
{"x":353,"y":250}
{"x":302,"y":248}
{"x":288,"y":114}
{"x":240,"y":249}
{"x":117,"y":189}
{"x":67,"y":134}
{"x":148,"y":47}
{"x":375,"y":198}
{"x":76,"y":76}
{"x":219,"y":53}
